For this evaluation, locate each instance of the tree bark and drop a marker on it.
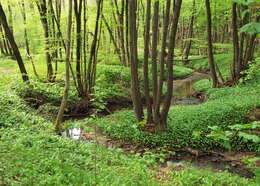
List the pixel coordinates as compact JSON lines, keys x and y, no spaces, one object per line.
{"x":212,"y":65}
{"x":235,"y":64}
{"x":67,"y":82}
{"x":190,"y":33}
{"x":93,"y":50}
{"x":146,"y":55}
{"x":162,"y":60}
{"x":170,"y":56}
{"x":13,"y":44}
{"x":78,"y":10}
{"x":154,"y":53}
{"x":42,"y":7}
{"x":136,"y":95}
{"x":27,"y":44}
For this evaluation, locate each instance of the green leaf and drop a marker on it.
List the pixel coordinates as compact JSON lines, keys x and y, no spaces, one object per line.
{"x":251,"y":137}
{"x":251,"y":28}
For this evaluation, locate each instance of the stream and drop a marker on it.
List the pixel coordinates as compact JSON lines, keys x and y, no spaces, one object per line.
{"x":182,"y":158}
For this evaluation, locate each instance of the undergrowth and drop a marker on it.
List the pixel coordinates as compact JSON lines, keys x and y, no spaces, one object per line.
{"x":226,"y":106}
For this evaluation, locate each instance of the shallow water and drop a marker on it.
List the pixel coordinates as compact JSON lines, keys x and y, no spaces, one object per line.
{"x":73,"y":133}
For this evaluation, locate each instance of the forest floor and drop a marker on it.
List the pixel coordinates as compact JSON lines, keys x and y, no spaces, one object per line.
{"x":4,"y":70}
{"x":175,"y":159}
{"x":99,"y":159}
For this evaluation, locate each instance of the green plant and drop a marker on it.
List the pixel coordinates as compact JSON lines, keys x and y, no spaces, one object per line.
{"x":221,"y":109}
{"x":202,"y":85}
{"x":244,"y":131}
{"x":253,"y":71}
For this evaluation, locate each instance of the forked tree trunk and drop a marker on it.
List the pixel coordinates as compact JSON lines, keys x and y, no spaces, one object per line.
{"x":170,"y":56}
{"x":166,"y":21}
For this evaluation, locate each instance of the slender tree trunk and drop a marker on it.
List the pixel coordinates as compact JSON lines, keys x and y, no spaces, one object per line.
{"x":4,"y":40}
{"x":93,"y":50}
{"x":27,"y":44}
{"x":249,"y":54}
{"x":136,"y":95}
{"x":190,"y":33}
{"x":146,"y":55}
{"x":67,"y":82}
{"x":78,"y":10}
{"x":13,"y":44}
{"x":162,"y":59}
{"x":154,"y":52}
{"x":112,"y":38}
{"x":127,"y":31}
{"x":170,"y":56}
{"x":210,"y":46}
{"x":42,"y":7}
{"x":235,"y":64}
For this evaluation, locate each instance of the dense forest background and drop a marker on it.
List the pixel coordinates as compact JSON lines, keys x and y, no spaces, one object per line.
{"x":156,"y":78}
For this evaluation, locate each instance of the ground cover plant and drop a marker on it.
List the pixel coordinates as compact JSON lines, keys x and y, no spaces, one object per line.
{"x":119,"y":92}
{"x":32,"y":155}
{"x":221,"y":109}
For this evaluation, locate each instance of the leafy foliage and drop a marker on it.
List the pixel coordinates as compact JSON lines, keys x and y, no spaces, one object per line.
{"x":202,"y":85}
{"x":221,"y":110}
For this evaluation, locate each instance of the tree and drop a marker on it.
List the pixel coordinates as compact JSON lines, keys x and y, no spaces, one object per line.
{"x":210,"y":46}
{"x":170,"y":56}
{"x":27,"y":44}
{"x":10,"y":37}
{"x":67,"y":82}
{"x":154,"y":117}
{"x":136,"y":95}
{"x":145,"y":67}
{"x":42,"y":8}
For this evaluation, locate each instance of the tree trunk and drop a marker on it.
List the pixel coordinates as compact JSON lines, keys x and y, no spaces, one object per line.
{"x":212,"y":65}
{"x":78,"y":10}
{"x":190,"y":33}
{"x":42,"y":7}
{"x":13,"y":44}
{"x":170,"y":56}
{"x":27,"y":44}
{"x":66,"y":89}
{"x":235,"y":65}
{"x":136,"y":95}
{"x":93,"y":50}
{"x":146,"y":55}
{"x":154,"y":53}
{"x":162,"y":60}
